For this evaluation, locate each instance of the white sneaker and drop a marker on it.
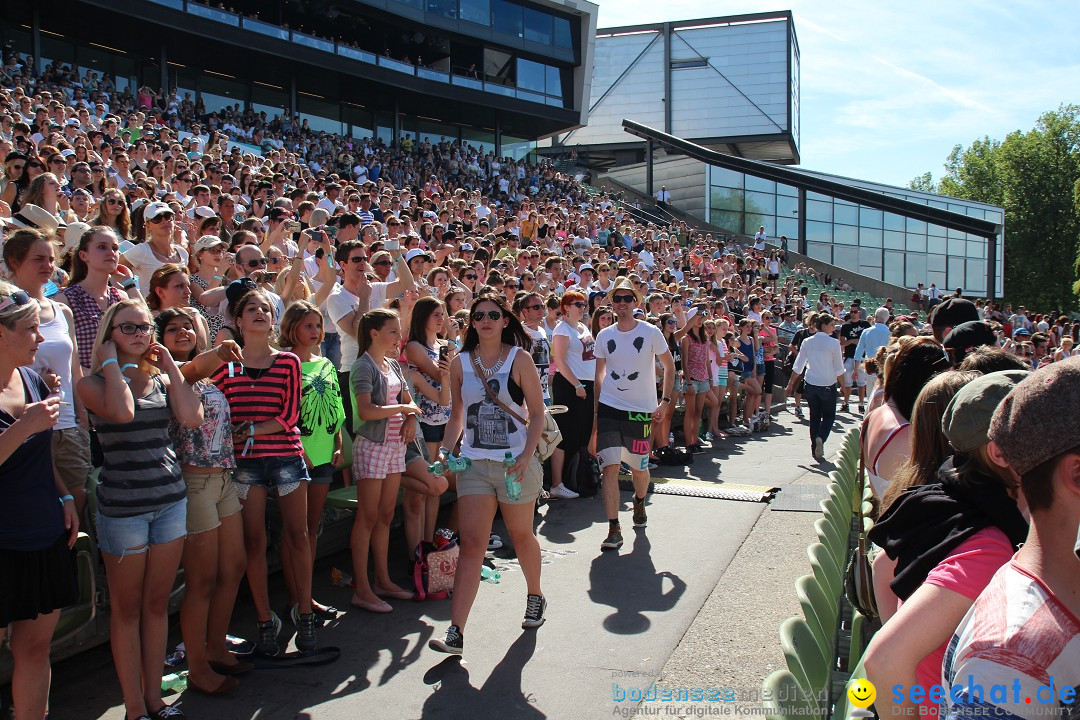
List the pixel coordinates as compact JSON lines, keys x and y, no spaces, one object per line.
{"x":561,"y":491}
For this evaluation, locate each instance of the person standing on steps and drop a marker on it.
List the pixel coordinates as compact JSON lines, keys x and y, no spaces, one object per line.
{"x":625,"y":406}
{"x":822,"y":359}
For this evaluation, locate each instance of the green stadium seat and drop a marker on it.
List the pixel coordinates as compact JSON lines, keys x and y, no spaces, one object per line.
{"x":76,"y":617}
{"x":342,"y":497}
{"x":833,"y":540}
{"x":785,"y":700}
{"x":826,"y":570}
{"x":805,"y":660}
{"x":820,"y":610}
{"x":855,"y":648}
{"x":843,"y":708}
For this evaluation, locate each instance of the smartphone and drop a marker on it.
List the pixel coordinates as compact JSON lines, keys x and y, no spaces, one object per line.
{"x":319,"y":252}
{"x":444,"y":352}
{"x":293,"y":227}
{"x":393,"y":245}
{"x":270,"y":277}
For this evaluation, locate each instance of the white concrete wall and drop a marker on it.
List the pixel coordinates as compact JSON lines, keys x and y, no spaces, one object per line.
{"x":683,"y":177}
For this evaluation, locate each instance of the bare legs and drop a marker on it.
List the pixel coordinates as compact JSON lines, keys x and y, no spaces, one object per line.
{"x":30,"y":642}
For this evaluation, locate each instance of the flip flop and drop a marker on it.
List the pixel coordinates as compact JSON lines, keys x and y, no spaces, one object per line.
{"x":240,"y":668}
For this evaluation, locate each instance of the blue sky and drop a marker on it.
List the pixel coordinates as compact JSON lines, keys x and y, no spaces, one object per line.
{"x":889,"y":88}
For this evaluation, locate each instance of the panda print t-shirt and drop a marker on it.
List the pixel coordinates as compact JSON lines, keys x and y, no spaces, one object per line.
{"x":630,"y":368}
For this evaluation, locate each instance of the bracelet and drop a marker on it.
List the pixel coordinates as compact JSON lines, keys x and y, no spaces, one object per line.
{"x":66,"y":498}
{"x":109,"y":360}
{"x":131,"y":282}
{"x":251,"y":430}
{"x":579,"y":385}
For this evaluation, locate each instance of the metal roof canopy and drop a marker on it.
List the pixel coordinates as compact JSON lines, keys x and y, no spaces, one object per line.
{"x":851,"y":193}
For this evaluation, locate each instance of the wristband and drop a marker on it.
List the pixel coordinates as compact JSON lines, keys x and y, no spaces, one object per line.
{"x":131,"y":282}
{"x":251,"y":430}
{"x":579,"y":385}
{"x":65,"y":498}
{"x":107,"y":361}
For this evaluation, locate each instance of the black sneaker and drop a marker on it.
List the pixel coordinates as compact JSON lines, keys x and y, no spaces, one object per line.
{"x":640,"y":518}
{"x":613,"y":541}
{"x":844,"y":408}
{"x":453,"y":644}
{"x":862,"y":409}
{"x":267,"y":636}
{"x":535,"y":605}
{"x":293,"y":613}
{"x":305,"y":632}
{"x":169,"y":711}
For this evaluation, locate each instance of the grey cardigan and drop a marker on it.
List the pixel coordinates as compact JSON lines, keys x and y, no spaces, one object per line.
{"x":366,"y":377}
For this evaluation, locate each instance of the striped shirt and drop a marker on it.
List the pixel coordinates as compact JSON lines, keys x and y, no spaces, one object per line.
{"x":141,"y":473}
{"x":88,"y":317}
{"x":259,"y":394}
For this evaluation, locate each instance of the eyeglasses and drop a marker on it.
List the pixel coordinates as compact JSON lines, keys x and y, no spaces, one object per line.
{"x":35,"y":164}
{"x":133,"y":328}
{"x":491,"y":315}
{"x":537,"y":306}
{"x":470,"y":277}
{"x":357,"y":259}
{"x":622,"y":298}
{"x":260,"y":262}
{"x":383,"y":262}
{"x":276,"y":260}
{"x":19,"y":297}
{"x":114,"y":201}
{"x":511,"y":286}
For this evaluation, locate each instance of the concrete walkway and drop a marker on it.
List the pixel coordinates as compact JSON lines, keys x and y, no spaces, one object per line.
{"x":693,"y":601}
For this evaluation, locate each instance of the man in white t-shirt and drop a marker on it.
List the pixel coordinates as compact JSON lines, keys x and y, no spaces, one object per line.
{"x":759,"y":239}
{"x":1016,"y":654}
{"x":330,"y":203}
{"x":626,"y":406}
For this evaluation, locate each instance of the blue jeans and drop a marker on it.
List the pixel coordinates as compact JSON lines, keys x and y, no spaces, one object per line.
{"x":822,"y":403}
{"x":331,"y":348}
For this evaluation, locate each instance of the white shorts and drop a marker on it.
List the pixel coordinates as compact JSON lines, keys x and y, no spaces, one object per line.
{"x":849,"y":368}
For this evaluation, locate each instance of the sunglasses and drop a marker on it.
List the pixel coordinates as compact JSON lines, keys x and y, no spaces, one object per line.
{"x":19,"y":297}
{"x":164,"y":217}
{"x":492,"y":315}
{"x":57,"y":161}
{"x":672,"y":322}
{"x":276,"y":260}
{"x":580,"y":304}
{"x":261,"y":262}
{"x":538,"y":306}
{"x":470,"y":277}
{"x":35,"y":165}
{"x":393,"y":224}
{"x":357,"y":259}
{"x":133,"y":328}
{"x":114,"y":201}
{"x":383,"y":262}
{"x":622,"y":298}
{"x":20,"y":166}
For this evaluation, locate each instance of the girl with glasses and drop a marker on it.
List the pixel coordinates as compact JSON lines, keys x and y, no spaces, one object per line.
{"x":572,"y":386}
{"x":492,"y":365}
{"x":133,"y":393}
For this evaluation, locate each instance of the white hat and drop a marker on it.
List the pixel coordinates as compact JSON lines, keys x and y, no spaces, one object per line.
{"x":204,"y":211}
{"x":67,"y":152}
{"x":466,"y":247}
{"x":586,"y":266}
{"x":156,"y":208}
{"x":32,"y":216}
{"x":72,"y":235}
{"x":208,"y":241}
{"x":691,"y":313}
{"x":415,"y":253}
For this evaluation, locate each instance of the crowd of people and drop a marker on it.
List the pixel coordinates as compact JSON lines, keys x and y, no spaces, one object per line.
{"x":212,"y":328}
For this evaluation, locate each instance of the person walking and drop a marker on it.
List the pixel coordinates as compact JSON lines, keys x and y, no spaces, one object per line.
{"x":625,"y":406}
{"x":821,"y":358}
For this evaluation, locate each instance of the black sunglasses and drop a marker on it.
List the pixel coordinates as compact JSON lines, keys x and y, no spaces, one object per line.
{"x":492,"y":315}
{"x":537,"y":306}
{"x":260,"y":262}
{"x":19,"y":297}
{"x":357,"y":259}
{"x":622,"y":298}
{"x":383,"y":262}
{"x":580,"y":304}
{"x":470,"y":277}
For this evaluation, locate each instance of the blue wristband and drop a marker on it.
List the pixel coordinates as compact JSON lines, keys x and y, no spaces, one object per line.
{"x":107,"y":361}
{"x":65,"y":498}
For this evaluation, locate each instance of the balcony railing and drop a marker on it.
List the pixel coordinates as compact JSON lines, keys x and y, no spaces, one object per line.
{"x":329,"y":46}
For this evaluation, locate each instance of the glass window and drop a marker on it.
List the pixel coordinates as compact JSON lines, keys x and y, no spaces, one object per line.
{"x":976,"y":249}
{"x":818,"y":196}
{"x":752,"y":221}
{"x":956,"y":272}
{"x":727,"y":219}
{"x":537,"y":26}
{"x":531,"y":75}
{"x":845,"y":234}
{"x":935,"y":263}
{"x":869,"y":237}
{"x":894,"y":221}
{"x":782,"y":189}
{"x":508,"y":17}
{"x":446,"y":8}
{"x":819,"y":232}
{"x":957,"y":247}
{"x":787,"y":206}
{"x":869,"y":257}
{"x":759,"y":184}
{"x":476,"y":11}
{"x":935,"y":230}
{"x":553,"y":80}
{"x":819,"y":251}
{"x":563,"y":35}
{"x":894,"y":240}
{"x":916,"y":243}
{"x":846,"y":257}
{"x":789,"y":227}
{"x":727,"y":199}
{"x":760,"y":202}
{"x":726,"y":178}
{"x":917,"y":226}
{"x":869,"y":217}
{"x":937,"y":278}
{"x":976,"y":276}
{"x":894,"y":268}
{"x":846,"y":214}
{"x":936,"y":245}
{"x":820,"y":211}
{"x":916,"y":269}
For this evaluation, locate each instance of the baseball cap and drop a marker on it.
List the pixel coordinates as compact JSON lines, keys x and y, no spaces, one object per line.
{"x":156,"y":208}
{"x":968,"y":415}
{"x":953,"y":312}
{"x":970,"y":335}
{"x":466,"y":247}
{"x":67,"y":152}
{"x":205,"y":212}
{"x":1021,"y":331}
{"x":208,"y":241}
{"x":415,"y":253}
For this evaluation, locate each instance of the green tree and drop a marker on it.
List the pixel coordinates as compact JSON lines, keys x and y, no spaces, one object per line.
{"x":924,"y":183}
{"x":1033,"y":175}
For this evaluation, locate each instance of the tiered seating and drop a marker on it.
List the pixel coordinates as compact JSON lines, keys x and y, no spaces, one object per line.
{"x":823,"y":649}
{"x":869,"y":301}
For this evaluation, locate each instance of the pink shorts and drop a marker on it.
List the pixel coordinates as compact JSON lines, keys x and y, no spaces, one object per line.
{"x":377,"y":460}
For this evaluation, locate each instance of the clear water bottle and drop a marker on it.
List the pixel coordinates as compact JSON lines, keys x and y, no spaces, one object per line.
{"x":489,"y":575}
{"x":437,"y":467}
{"x":513,"y":485}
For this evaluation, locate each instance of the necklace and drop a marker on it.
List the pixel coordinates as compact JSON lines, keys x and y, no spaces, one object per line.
{"x":488,"y":372}
{"x":258,"y":372}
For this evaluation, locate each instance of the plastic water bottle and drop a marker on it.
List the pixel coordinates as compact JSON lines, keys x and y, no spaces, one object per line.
{"x":437,"y":467}
{"x":174,"y":682}
{"x":513,"y":485}
{"x":489,"y":575}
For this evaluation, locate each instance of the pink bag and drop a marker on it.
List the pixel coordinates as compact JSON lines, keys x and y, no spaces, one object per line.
{"x":434,"y":565}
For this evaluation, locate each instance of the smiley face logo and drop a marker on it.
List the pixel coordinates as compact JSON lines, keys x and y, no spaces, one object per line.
{"x":862,"y":693}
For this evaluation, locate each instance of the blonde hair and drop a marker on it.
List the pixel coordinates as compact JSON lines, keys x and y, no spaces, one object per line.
{"x":13,"y":315}
{"x":105,"y":331}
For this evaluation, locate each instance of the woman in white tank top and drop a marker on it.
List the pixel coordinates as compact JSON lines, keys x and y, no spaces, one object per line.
{"x":491,"y":355}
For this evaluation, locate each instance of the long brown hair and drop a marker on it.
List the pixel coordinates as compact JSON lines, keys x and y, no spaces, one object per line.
{"x":512,"y":334}
{"x":929,"y":446}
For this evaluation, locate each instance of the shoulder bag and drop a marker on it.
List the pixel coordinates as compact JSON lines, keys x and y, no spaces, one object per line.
{"x":551,"y":435}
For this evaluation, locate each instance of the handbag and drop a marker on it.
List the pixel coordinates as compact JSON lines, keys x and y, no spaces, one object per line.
{"x":549,"y":438}
{"x":859,"y":576}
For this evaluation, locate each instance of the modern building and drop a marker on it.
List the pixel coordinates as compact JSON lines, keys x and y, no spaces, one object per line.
{"x":728,"y":83}
{"x":500,"y":73}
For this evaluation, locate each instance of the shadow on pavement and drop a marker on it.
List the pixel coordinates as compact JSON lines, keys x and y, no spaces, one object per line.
{"x":630,"y":584}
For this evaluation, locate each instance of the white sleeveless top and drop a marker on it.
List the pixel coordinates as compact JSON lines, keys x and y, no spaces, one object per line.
{"x":55,"y":355}
{"x":489,"y":430}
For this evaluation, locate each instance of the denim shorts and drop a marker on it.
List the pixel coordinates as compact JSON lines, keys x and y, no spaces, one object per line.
{"x":322,"y":474}
{"x":134,"y":535}
{"x":433,"y":433}
{"x":700,"y":386}
{"x":271,"y":472}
